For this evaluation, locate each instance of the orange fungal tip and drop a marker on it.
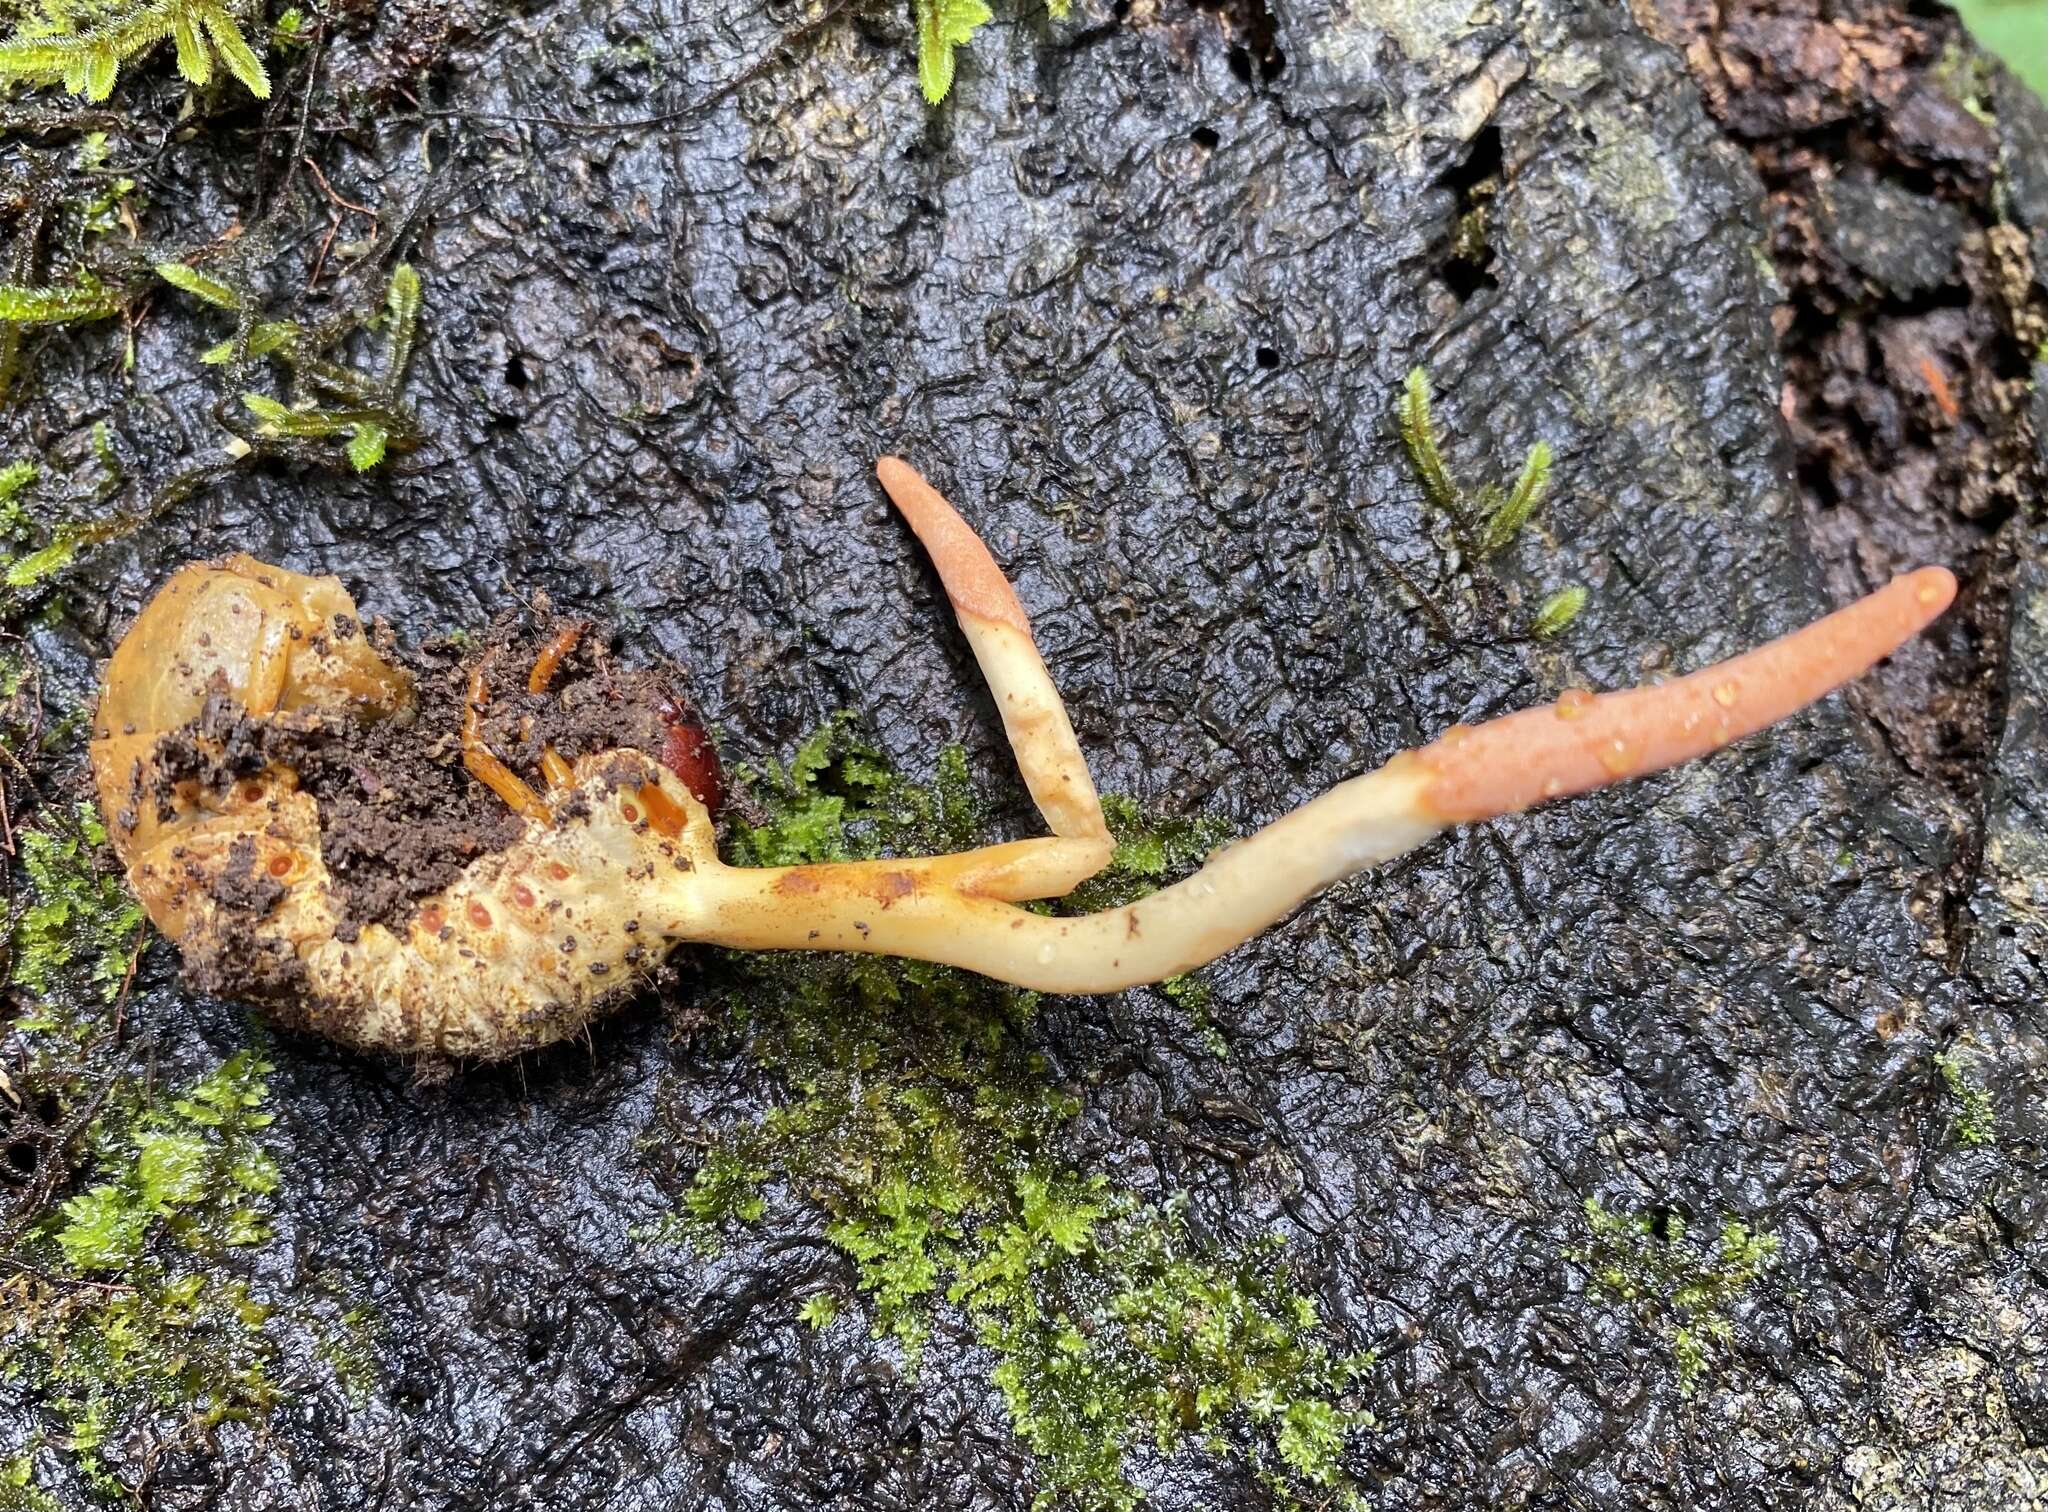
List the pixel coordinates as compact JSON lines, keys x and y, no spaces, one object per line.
{"x":1584,"y":741}
{"x":974,"y":582}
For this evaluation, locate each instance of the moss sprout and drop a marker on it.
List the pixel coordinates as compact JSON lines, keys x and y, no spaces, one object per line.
{"x":79,"y":913}
{"x":1976,"y":1122}
{"x":116,"y":1322}
{"x":333,"y":412}
{"x":1486,"y":520}
{"x":1672,"y":1284}
{"x":942,"y":26}
{"x":1557,"y":612}
{"x":63,"y":304}
{"x":82,"y":45}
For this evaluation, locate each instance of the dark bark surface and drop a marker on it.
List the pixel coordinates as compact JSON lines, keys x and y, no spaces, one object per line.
{"x":1139,"y":298}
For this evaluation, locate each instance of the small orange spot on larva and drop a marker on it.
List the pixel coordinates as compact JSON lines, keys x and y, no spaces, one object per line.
{"x":431,"y":919}
{"x":1931,"y":593}
{"x":1573,"y":702}
{"x":522,"y":895}
{"x":279,"y":865}
{"x":1618,"y":756}
{"x":479,"y":915}
{"x":544,"y":964}
{"x":1553,"y":786}
{"x":558,"y":871}
{"x":1456,"y":736}
{"x":252,"y":792}
{"x":1724,"y":694}
{"x":632,"y":814}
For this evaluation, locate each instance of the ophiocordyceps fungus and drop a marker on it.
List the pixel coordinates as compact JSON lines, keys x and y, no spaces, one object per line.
{"x":615,"y":860}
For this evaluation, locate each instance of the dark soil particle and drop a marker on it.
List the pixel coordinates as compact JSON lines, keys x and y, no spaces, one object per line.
{"x":400,"y":816}
{"x":243,"y":886}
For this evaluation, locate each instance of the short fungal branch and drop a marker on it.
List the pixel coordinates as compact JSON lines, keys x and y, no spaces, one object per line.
{"x":960,"y":910}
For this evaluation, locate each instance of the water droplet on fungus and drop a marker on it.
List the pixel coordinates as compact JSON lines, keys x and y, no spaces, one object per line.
{"x":1618,"y":756}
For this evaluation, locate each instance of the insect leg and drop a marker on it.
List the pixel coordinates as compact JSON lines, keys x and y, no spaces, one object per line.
{"x":486,"y":767}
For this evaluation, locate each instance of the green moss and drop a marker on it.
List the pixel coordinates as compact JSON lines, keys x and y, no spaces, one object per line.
{"x":1416,"y":416}
{"x":57,"y":304}
{"x":1673,"y":1285}
{"x":119,"y":1324}
{"x":79,"y":912}
{"x":1976,"y":1120}
{"x":1557,"y":612}
{"x":1121,"y":1333}
{"x":333,"y":413}
{"x":837,"y":799}
{"x":1496,"y":513}
{"x":1482,"y":521}
{"x":18,"y":1489}
{"x":83,"y":45}
{"x":188,"y":1170}
{"x":819,"y":1311}
{"x":350,"y":1350}
{"x":916,"y":1112}
{"x":1150,"y":852}
{"x":36,"y":545}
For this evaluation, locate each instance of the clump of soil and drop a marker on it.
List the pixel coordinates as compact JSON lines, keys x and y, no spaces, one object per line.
{"x":400,"y":816}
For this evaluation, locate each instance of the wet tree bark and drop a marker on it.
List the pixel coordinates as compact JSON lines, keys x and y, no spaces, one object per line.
{"x":1770,"y":278}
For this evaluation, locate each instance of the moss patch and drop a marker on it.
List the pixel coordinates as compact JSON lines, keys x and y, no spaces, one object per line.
{"x":1673,"y":1285}
{"x":128,"y":1323}
{"x":1976,"y":1122}
{"x":115,"y":1319}
{"x":918,"y":1115}
{"x":79,"y":915}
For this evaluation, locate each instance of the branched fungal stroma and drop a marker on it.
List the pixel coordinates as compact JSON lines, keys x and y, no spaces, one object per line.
{"x":615,"y":860}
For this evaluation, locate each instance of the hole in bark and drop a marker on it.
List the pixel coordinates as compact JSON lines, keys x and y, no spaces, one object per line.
{"x":515,"y":372}
{"x":1205,"y":136}
{"x":1266,"y":358}
{"x":18,"y":1162}
{"x":1255,"y":54}
{"x":1475,"y":181}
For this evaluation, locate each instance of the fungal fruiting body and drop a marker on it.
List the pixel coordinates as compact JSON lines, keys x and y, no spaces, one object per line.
{"x":616,"y":861}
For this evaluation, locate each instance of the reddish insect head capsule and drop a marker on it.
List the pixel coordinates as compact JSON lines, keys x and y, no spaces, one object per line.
{"x":686,"y":751}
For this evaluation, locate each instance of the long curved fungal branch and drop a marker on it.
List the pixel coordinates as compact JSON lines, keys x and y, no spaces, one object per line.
{"x":619,"y":863}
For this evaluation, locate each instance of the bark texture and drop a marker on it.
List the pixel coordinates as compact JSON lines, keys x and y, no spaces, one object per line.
{"x":1140,"y":297}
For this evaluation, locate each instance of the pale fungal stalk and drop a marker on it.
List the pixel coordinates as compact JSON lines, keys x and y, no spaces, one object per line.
{"x":928,"y":911}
